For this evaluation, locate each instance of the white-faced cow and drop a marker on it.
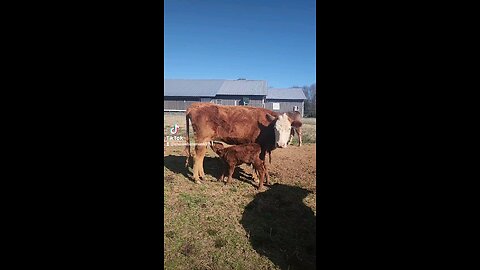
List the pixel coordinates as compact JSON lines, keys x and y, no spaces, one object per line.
{"x":234,"y":125}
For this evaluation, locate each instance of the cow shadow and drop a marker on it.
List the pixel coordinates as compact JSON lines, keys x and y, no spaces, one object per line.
{"x":211,"y":166}
{"x":281,"y":227}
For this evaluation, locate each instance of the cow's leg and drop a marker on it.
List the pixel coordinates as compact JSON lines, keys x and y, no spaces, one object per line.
{"x":267,"y":177}
{"x":299,"y":133}
{"x":263,"y":158}
{"x":200,"y":151}
{"x":202,"y":172}
{"x":266,"y":170}
{"x":261,"y":169}
{"x":292,"y":132}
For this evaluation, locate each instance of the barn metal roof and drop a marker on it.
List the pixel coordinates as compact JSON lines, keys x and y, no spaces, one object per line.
{"x":243,"y":87}
{"x":285,"y":93}
{"x":192,"y":88}
{"x":211,"y":88}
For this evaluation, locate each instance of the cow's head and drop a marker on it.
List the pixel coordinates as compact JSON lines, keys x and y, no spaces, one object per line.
{"x":282,"y":128}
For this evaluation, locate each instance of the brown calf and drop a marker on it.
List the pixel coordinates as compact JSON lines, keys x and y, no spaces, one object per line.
{"x":239,"y":154}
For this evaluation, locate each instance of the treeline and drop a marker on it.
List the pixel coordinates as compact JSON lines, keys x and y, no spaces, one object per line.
{"x":310,"y":109}
{"x":311,"y":102}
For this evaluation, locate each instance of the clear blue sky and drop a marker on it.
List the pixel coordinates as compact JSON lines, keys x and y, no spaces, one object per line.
{"x":252,"y":39}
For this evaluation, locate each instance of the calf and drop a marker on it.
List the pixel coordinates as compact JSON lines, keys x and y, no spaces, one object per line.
{"x":239,"y":154}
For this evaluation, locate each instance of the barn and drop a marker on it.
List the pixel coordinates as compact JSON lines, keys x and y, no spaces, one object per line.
{"x":285,"y":100}
{"x":179,"y":94}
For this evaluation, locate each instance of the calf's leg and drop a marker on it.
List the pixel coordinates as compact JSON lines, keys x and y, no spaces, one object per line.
{"x":231,"y":169}
{"x":254,"y":173}
{"x":223,"y":169}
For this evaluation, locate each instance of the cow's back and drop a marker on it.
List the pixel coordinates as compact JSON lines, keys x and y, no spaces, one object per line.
{"x":231,"y":124}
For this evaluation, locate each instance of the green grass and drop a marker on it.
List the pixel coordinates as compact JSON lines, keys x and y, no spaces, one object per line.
{"x":202,"y":229}
{"x":207,"y":228}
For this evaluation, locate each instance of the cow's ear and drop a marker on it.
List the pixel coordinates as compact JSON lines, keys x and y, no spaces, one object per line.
{"x":270,"y":117}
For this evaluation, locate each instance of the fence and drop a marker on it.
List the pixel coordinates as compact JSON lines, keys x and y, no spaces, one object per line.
{"x":307,"y":114}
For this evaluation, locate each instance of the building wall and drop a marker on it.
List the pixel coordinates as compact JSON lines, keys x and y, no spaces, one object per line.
{"x":182,"y":103}
{"x":179,"y":103}
{"x":285,"y":105}
{"x":255,"y":101}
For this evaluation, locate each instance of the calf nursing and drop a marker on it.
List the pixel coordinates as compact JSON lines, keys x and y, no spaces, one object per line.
{"x":239,"y":154}
{"x":234,"y":125}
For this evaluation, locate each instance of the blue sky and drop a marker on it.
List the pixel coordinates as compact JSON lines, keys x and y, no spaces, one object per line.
{"x":252,"y":39}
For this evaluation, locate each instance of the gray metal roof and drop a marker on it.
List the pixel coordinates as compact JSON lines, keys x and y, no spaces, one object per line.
{"x":243,"y":87}
{"x":192,"y":88}
{"x":211,"y":88}
{"x":285,"y":93}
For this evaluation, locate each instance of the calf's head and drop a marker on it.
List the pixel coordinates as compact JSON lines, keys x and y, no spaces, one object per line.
{"x":282,"y":128}
{"x":217,"y":147}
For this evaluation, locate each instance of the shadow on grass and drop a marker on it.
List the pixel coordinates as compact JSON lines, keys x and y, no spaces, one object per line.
{"x":281,"y":227}
{"x":211,"y":166}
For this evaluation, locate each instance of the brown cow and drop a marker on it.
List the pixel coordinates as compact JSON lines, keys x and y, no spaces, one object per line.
{"x":296,"y":126}
{"x":240,"y":154}
{"x":234,"y":125}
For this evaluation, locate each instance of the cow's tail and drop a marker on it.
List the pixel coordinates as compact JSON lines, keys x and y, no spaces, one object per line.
{"x":270,"y":156}
{"x":187,"y":146}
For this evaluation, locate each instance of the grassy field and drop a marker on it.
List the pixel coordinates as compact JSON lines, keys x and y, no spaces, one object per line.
{"x":217,"y":226}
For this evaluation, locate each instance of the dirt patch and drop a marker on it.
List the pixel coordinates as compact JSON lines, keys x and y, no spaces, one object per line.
{"x":295,"y":165}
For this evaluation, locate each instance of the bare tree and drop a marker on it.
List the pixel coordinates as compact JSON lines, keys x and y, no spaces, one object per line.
{"x":310,"y":104}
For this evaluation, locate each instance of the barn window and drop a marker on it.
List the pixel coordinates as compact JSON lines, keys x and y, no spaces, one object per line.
{"x":295,"y":108}
{"x":245,"y":101}
{"x":276,"y":106}
{"x":219,"y":101}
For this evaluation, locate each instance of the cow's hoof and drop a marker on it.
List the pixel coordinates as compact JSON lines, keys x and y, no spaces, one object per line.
{"x":198,"y":182}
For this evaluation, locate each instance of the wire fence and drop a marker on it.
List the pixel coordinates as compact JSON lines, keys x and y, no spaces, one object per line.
{"x":306,"y":113}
